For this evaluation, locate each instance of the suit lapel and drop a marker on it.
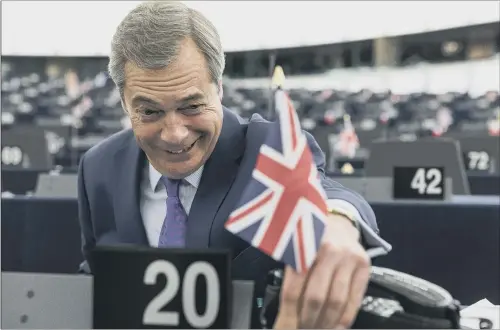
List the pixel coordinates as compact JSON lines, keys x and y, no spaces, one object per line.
{"x":218,"y":175}
{"x":130,"y":162}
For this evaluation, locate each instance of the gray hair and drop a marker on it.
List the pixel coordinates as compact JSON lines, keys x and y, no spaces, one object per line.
{"x":150,"y":35}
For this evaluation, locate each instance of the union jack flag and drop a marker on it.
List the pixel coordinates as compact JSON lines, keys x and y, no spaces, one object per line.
{"x":283,"y":209}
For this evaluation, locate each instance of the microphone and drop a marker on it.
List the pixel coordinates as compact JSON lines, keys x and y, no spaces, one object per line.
{"x":270,"y":304}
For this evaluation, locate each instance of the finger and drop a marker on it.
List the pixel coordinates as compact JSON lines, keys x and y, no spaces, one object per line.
{"x":357,"y":292}
{"x":291,"y":291}
{"x":338,"y":294}
{"x":317,"y":286}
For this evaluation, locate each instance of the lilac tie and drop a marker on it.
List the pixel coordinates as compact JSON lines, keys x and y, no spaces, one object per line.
{"x":173,"y":231}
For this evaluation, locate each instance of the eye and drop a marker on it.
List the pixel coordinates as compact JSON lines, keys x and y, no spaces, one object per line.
{"x":148,"y":112}
{"x":191,"y":109}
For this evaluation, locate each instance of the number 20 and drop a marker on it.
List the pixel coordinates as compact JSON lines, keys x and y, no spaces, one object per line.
{"x":419,"y":182}
{"x":153,"y":313}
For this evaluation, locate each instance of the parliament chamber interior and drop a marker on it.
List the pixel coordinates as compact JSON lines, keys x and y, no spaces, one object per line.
{"x":382,"y":108}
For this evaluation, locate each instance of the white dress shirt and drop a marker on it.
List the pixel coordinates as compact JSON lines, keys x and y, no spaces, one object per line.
{"x":154,"y":200}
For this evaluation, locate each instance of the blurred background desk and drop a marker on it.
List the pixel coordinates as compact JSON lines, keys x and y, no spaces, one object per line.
{"x":40,"y":235}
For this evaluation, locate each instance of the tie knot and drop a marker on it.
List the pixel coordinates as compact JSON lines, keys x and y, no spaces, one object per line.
{"x":172,"y":186}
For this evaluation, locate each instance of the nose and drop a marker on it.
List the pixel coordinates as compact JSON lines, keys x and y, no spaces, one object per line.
{"x":174,"y":131}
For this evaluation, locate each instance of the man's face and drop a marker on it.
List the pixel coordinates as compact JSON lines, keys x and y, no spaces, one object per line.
{"x":176,"y":113}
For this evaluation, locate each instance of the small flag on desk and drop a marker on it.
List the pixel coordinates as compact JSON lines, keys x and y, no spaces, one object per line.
{"x":283,"y":209}
{"x":348,"y":141}
{"x":494,"y":124}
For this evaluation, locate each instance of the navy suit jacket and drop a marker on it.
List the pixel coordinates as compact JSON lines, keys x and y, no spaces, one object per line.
{"x":109,"y":191}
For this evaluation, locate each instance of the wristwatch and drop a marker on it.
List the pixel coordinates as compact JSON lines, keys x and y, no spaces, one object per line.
{"x":345,"y":214}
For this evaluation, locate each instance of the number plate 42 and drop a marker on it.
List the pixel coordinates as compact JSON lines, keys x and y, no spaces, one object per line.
{"x":426,"y":183}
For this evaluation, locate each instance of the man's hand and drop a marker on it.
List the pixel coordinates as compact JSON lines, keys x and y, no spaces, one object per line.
{"x":329,"y":295}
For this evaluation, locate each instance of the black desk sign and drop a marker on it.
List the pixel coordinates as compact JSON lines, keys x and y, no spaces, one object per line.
{"x":477,"y":161}
{"x":25,"y":147}
{"x":426,"y":183}
{"x":146,"y":288}
{"x":12,"y":156}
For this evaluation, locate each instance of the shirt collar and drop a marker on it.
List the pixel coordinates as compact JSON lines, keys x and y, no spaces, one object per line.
{"x":155,"y":176}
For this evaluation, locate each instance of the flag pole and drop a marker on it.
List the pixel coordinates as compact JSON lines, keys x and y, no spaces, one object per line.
{"x":278,"y":80}
{"x":270,"y":99}
{"x":347,"y":121}
{"x":277,"y":83}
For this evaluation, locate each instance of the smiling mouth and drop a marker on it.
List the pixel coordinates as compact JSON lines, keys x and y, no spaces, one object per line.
{"x":182,"y":151}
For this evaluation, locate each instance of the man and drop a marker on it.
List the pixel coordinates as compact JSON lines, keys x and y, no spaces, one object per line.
{"x":175,"y":177}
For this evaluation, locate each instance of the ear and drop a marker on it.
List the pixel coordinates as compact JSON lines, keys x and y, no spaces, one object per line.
{"x":221,"y":91}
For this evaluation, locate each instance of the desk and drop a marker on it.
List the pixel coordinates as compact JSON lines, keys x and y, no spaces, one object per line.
{"x":40,"y":235}
{"x":455,"y":246}
{"x":481,"y":184}
{"x":21,"y":181}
